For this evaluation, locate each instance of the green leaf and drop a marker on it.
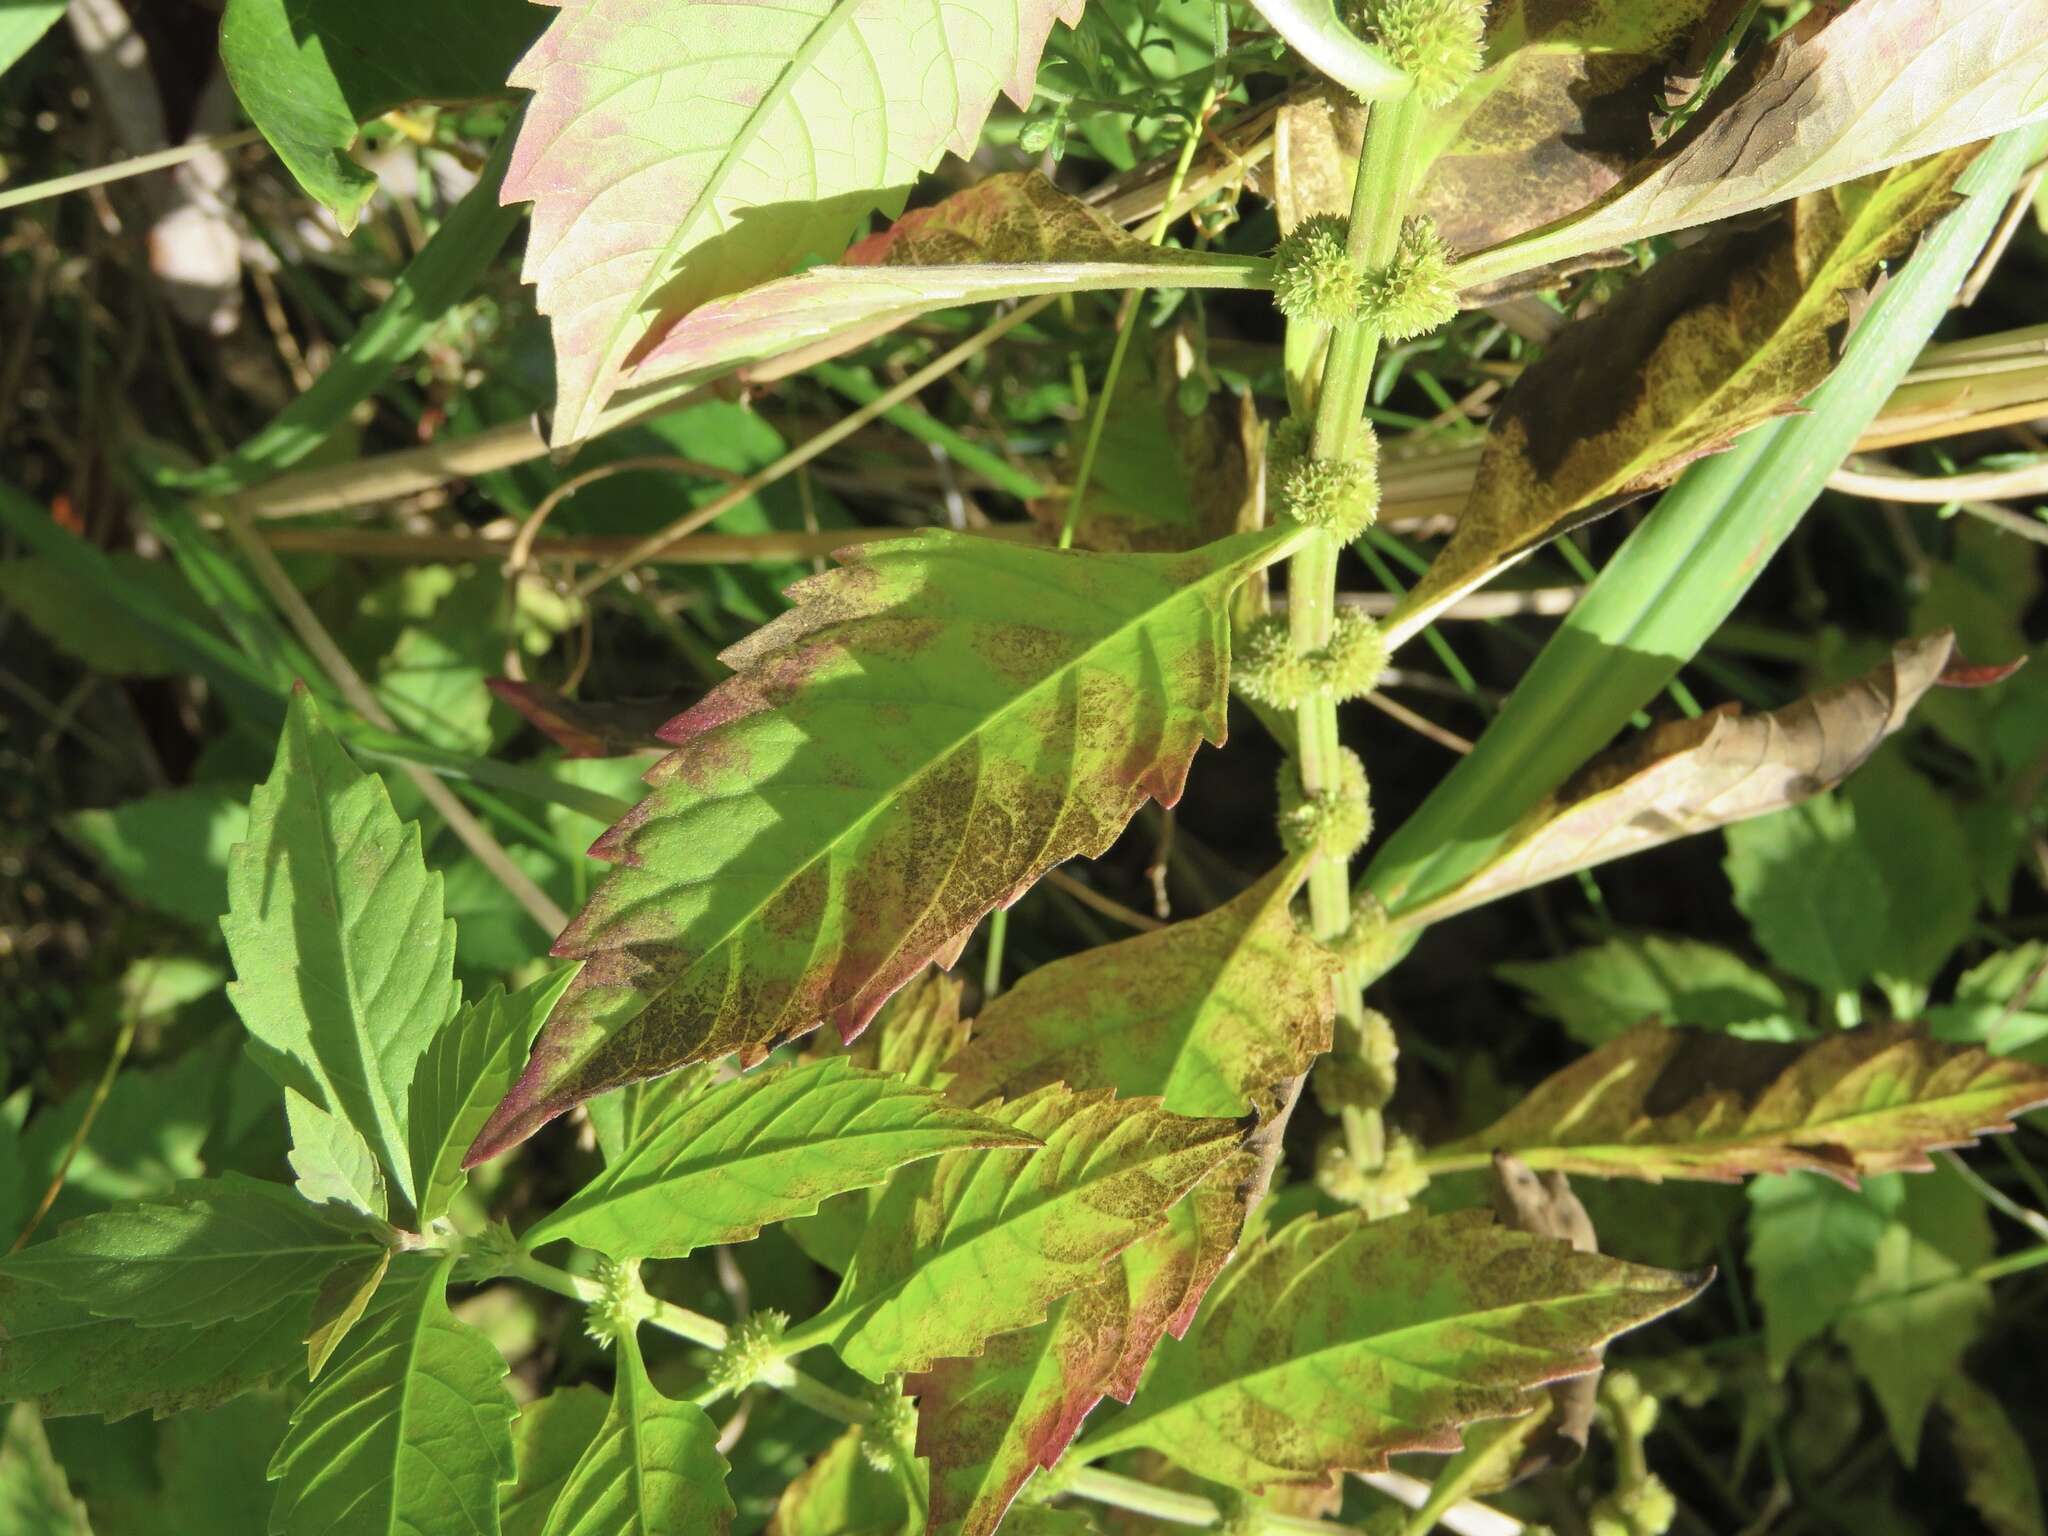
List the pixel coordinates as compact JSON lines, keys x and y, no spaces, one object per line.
{"x":1812,"y":891}
{"x":1661,"y":1103}
{"x":345,"y":965}
{"x":758,"y":137}
{"x":146,"y":1136}
{"x":343,"y":1298}
{"x":1685,"y":777}
{"x":929,"y":730}
{"x":1213,"y":1015}
{"x":988,"y":1423}
{"x":35,"y":1500}
{"x":653,"y":1467}
{"x":1008,"y":236}
{"x":1916,"y":838}
{"x":207,"y":1252}
{"x":1811,"y":1242}
{"x":549,"y":1439}
{"x":60,"y":603}
{"x":331,"y":1159}
{"x":1335,"y":1343}
{"x":22,"y":25}
{"x":1712,"y":341}
{"x":2001,"y":1004}
{"x":1874,"y":85}
{"x":410,"y":1430}
{"x":1912,"y":1315}
{"x":840,"y":1494}
{"x":471,"y":1064}
{"x":980,"y":1243}
{"x":67,"y":1360}
{"x":308,"y":71}
{"x":1998,"y":1466}
{"x":1603,"y":991}
{"x":212,"y":1465}
{"x":718,"y":1166}
{"x":169,"y":851}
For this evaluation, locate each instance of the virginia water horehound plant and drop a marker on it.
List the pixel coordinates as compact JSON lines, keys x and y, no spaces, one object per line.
{"x":1138,"y":1232}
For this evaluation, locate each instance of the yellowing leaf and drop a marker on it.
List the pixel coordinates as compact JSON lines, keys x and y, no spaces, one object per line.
{"x":980,"y":1243}
{"x":922,"y":736}
{"x":1007,"y":237}
{"x":1336,"y":1343}
{"x":678,"y":150}
{"x":1663,"y":1103}
{"x":1847,"y":92}
{"x":1211,"y":1014}
{"x":1712,"y":341}
{"x":1690,"y":776}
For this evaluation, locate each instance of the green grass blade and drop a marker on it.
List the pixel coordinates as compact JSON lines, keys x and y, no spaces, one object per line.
{"x":1682,"y":572}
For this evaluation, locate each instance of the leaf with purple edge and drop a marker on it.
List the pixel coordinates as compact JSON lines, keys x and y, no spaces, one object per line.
{"x":930,"y":729}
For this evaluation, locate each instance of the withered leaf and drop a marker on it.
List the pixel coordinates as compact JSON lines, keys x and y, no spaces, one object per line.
{"x":1690,"y":776}
{"x":1661,"y":1103}
{"x":1712,"y":341}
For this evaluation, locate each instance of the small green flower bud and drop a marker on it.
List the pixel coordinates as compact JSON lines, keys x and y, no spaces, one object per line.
{"x":1314,"y":277}
{"x":751,"y":1351}
{"x":1351,"y":665}
{"x":1416,"y":292}
{"x":622,"y":1305}
{"x":490,"y":1253}
{"x":1439,"y":44}
{"x":1334,"y":823}
{"x":892,"y":1433}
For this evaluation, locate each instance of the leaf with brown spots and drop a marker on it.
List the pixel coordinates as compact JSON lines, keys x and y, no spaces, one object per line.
{"x":1849,"y":91}
{"x":1689,"y":776}
{"x":1211,"y":1014}
{"x":1008,"y":237}
{"x":1712,"y":341}
{"x":974,"y":1244}
{"x":929,"y":730}
{"x":1335,"y":1343}
{"x":987,"y":1424}
{"x":1662,"y":1103}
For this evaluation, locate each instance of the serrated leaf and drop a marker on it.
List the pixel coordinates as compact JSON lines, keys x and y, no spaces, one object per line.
{"x":980,"y":1243}
{"x":1335,"y":1343}
{"x":339,"y":1305}
{"x":1998,"y":1469}
{"x":1710,"y":342}
{"x":1212,"y":1014}
{"x":332,"y":1161}
{"x":549,"y":1439}
{"x":1811,"y":1242}
{"x":1845,"y":93}
{"x":840,"y":1494}
{"x":409,"y":1430}
{"x":471,"y":1064}
{"x":1604,"y":990}
{"x":207,"y":1252}
{"x":1913,"y":832}
{"x":1914,"y":1313}
{"x":1662,"y":1103}
{"x":308,"y":71}
{"x":653,"y":1467}
{"x":1814,"y":895}
{"x":35,"y":1499}
{"x":1008,"y":236}
{"x":1689,"y":776}
{"x":680,"y":150}
{"x":766,"y":1147}
{"x":67,"y":1360}
{"x":987,"y":1424}
{"x":929,"y":730}
{"x":344,"y":963}
{"x":168,"y":851}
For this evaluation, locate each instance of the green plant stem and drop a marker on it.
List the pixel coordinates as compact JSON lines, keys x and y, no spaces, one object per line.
{"x":1375,"y":233}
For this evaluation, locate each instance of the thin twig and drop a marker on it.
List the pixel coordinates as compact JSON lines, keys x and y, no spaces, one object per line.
{"x":122,"y":1041}
{"x":1420,"y":724}
{"x":474,"y":835}
{"x":801,"y":455}
{"x":1088,"y":896}
{"x":162,"y":160}
{"x":1859,"y":479}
